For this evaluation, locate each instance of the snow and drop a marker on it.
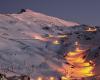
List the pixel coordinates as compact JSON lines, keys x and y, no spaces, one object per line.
{"x":24,"y":46}
{"x":34,"y":16}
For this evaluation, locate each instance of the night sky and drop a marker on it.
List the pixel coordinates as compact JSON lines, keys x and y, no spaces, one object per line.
{"x":82,"y":11}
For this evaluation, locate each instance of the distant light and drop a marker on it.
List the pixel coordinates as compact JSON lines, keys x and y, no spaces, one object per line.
{"x":56,"y":42}
{"x":62,"y":36}
{"x":39,"y":78}
{"x":65,"y":78}
{"x":52,"y":78}
{"x":91,"y":29}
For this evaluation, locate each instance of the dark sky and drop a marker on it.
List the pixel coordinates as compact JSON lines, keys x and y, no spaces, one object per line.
{"x":82,"y":11}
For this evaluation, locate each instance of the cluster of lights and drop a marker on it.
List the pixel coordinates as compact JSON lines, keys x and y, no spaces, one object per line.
{"x":91,"y":29}
{"x":53,"y":78}
{"x":82,"y":68}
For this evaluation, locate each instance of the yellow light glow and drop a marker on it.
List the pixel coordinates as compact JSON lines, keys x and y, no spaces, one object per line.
{"x":86,"y":69}
{"x":50,"y":36}
{"x":91,"y":30}
{"x":52,"y":78}
{"x":79,"y":50}
{"x":76,"y":52}
{"x":89,"y":74}
{"x":39,"y":78}
{"x":65,"y":78}
{"x":62,"y":36}
{"x":85,"y":64}
{"x":76,"y":60}
{"x":71,"y":54}
{"x":80,"y":67}
{"x":56,"y":42}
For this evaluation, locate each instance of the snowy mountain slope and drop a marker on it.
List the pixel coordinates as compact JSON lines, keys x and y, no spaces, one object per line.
{"x":26,"y":48}
{"x":21,"y":55}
